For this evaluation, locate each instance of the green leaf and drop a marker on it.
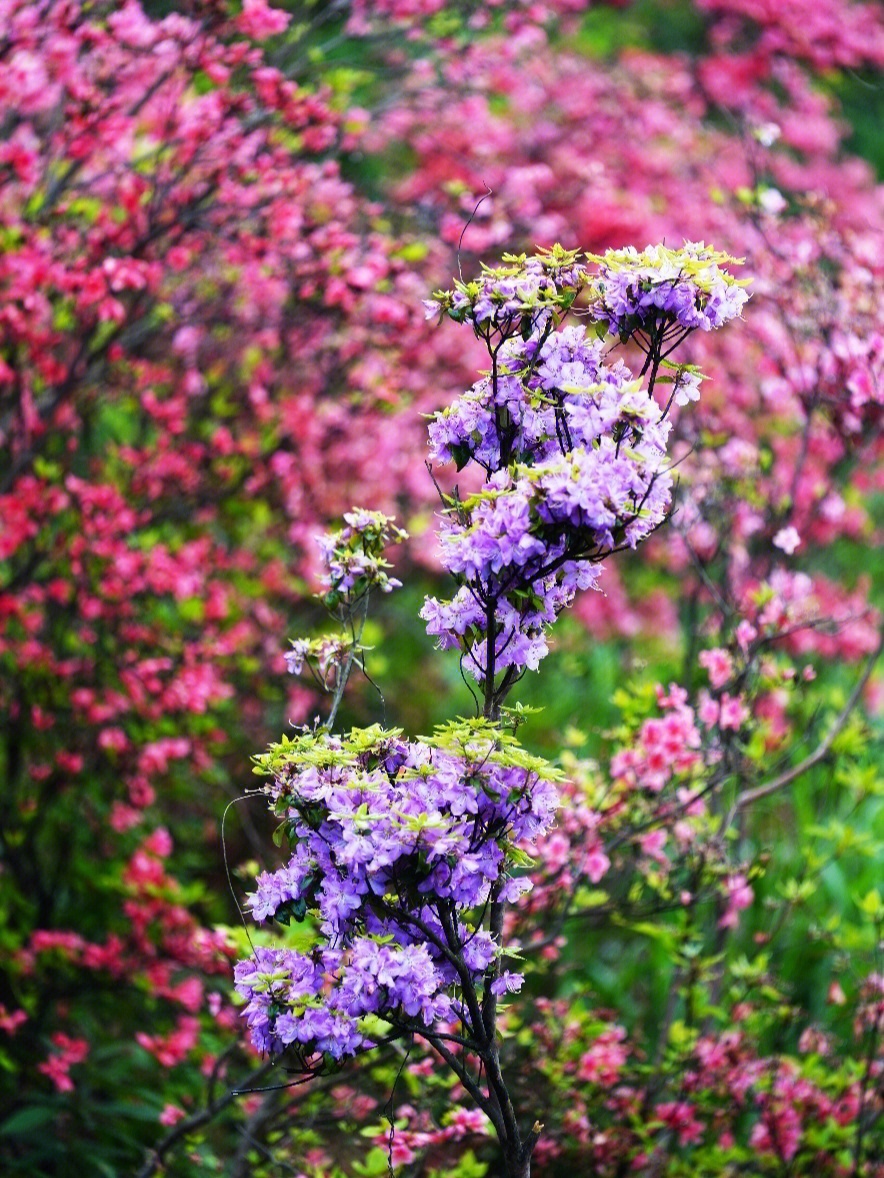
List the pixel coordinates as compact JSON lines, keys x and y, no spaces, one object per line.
{"x":461,"y":453}
{"x":872,"y":904}
{"x":26,"y":1120}
{"x":373,"y":1166}
{"x":590,"y":898}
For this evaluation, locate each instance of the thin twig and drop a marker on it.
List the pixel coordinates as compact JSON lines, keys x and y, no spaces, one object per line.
{"x":154,"y":1161}
{"x":479,"y":203}
{"x":783,"y":779}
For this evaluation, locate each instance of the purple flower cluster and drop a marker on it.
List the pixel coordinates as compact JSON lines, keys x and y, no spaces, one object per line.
{"x":535,"y":388}
{"x":325,"y":653}
{"x":517,"y":298}
{"x":660,"y":290}
{"x":575,"y":454}
{"x":573,"y":449}
{"x":397,"y":848}
{"x":520,"y":626}
{"x":318,"y":1002}
{"x":355,"y":564}
{"x":354,"y":555}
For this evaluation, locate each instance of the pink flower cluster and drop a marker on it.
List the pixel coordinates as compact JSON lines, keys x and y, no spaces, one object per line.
{"x":665,"y":748}
{"x":68,"y":1052}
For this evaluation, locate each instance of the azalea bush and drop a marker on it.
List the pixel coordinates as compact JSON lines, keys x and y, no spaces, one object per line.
{"x":173,"y":228}
{"x":405,"y":854}
{"x":409,"y":873}
{"x":217,"y":226}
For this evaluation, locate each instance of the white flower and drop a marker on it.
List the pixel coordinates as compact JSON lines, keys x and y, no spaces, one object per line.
{"x":771,"y":200}
{"x":787,"y":539}
{"x":767,"y":134}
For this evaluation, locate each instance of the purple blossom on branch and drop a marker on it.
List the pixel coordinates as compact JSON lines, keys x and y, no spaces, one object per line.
{"x":574,"y":448}
{"x":663,"y":289}
{"x":405,"y":853}
{"x":398,"y":848}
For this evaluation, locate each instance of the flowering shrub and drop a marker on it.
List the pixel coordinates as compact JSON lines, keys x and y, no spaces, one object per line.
{"x":405,"y":854}
{"x":172,"y":228}
{"x":212,"y":255}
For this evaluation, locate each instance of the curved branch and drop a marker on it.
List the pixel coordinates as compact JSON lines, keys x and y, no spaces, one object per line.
{"x":786,"y":778}
{"x":488,"y":1106}
{"x":154,"y":1161}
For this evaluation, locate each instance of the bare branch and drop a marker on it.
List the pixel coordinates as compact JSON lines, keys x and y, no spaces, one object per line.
{"x":786,"y":778}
